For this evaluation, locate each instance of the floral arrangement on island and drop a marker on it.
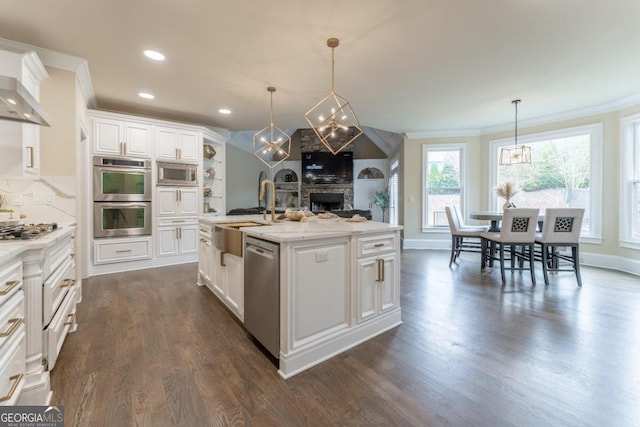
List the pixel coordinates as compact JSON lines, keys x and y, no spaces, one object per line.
{"x":507,"y":190}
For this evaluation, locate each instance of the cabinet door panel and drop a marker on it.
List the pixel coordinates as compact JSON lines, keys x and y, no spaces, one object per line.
{"x":107,"y":136}
{"x":167,"y":201}
{"x":189,"y":146}
{"x":189,"y":201}
{"x":235,"y":284}
{"x":138,"y":139}
{"x":167,"y":241}
{"x":388,"y":286}
{"x":367,"y":288}
{"x":166,"y":144}
{"x":188,"y":239}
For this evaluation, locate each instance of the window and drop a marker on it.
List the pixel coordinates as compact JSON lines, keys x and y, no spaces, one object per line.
{"x":630,"y":182}
{"x":443,"y":181}
{"x":566,"y":171}
{"x":393,"y":192}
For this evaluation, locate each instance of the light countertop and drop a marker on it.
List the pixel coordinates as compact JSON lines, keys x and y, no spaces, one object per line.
{"x":315,"y":228}
{"x":11,"y":249}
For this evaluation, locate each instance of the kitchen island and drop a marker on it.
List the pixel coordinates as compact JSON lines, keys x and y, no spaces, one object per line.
{"x":339,"y":283}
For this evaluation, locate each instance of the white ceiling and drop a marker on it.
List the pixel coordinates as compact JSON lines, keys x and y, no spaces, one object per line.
{"x":406,"y":65}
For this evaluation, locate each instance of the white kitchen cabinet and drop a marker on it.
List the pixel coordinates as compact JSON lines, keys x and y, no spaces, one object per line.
{"x":177,"y":144}
{"x":228,"y":281}
{"x":20,"y":142}
{"x":376,"y":286}
{"x":12,"y":333}
{"x":119,"y":137}
{"x":206,"y":262}
{"x":115,"y":250}
{"x":177,"y":201}
{"x":176,"y":237}
{"x":377,"y":289}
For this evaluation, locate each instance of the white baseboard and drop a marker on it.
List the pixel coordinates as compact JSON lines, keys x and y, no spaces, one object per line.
{"x":439,"y":244}
{"x":626,"y":265}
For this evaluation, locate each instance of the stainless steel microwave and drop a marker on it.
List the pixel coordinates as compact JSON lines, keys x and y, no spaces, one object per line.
{"x":177,"y":174}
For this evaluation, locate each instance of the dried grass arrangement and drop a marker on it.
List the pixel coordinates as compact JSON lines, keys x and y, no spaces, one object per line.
{"x":507,"y":190}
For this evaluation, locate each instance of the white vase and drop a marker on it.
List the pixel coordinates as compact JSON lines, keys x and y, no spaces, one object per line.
{"x":508,"y":205}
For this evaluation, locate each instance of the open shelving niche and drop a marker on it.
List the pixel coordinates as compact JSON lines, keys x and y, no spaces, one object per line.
{"x":213,"y":176}
{"x":287,"y":184}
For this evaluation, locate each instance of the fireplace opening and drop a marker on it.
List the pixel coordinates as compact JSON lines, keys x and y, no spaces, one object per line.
{"x":326,"y":201}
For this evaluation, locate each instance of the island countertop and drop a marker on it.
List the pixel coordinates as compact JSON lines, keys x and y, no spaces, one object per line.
{"x":290,"y":231}
{"x":11,"y":249}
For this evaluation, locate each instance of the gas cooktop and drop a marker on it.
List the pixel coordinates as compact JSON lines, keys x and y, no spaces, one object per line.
{"x":25,"y":231}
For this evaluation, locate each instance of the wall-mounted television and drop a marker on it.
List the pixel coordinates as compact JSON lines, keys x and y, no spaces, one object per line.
{"x":322,"y":167}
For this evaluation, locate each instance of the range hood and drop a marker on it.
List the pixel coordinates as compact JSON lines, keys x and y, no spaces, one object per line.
{"x":17,"y":104}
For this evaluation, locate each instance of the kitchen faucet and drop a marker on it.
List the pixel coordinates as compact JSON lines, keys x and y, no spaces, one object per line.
{"x":273,"y":198}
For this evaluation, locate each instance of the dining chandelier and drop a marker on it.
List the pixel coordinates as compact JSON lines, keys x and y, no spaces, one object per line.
{"x":271,"y":144}
{"x":332,"y":119}
{"x":517,"y":154}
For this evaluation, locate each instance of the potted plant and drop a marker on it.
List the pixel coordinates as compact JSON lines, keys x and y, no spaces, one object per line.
{"x":381,"y":198}
{"x":507,"y":190}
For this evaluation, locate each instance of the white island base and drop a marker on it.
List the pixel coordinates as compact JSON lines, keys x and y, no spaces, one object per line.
{"x":339,"y":285}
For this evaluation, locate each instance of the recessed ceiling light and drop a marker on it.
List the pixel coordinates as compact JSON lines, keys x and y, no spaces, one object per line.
{"x":146,"y":95}
{"x":152,"y":54}
{"x":224,"y":111}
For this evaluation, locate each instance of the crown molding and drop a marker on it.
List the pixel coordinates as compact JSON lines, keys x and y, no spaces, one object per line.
{"x":59,"y":60}
{"x":444,"y":134}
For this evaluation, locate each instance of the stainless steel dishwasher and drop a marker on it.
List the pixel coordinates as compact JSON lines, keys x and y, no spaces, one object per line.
{"x":262,"y":292}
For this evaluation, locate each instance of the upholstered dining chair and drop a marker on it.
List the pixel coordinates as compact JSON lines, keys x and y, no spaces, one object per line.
{"x":464,"y":238}
{"x":517,"y":234}
{"x":561,"y":229}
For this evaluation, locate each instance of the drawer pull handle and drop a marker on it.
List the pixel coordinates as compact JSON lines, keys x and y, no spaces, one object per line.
{"x":378,"y":245}
{"x":16,"y":380}
{"x":123,"y":251}
{"x":15,"y":323}
{"x":70,"y":322}
{"x":67,"y":283}
{"x":8,"y":286}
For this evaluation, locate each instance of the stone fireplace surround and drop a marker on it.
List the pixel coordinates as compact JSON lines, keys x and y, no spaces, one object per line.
{"x":310,"y":142}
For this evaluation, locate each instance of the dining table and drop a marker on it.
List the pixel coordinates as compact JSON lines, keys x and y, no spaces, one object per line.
{"x":495,"y":217}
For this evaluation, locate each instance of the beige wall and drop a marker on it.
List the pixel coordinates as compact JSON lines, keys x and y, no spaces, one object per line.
{"x":58,"y":142}
{"x":478,"y":178}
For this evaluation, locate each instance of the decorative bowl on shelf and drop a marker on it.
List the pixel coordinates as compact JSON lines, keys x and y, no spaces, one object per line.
{"x":208,"y":151}
{"x":210,"y":172}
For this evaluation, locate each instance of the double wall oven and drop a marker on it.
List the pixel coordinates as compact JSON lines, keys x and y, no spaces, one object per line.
{"x":121,"y":197}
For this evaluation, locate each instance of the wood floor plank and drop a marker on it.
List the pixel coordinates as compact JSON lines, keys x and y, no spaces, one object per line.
{"x":154,"y":349}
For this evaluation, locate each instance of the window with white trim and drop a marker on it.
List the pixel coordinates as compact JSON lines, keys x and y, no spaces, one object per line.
{"x":443,"y":182}
{"x":630,"y":182}
{"x":393,"y":192}
{"x":565,"y":171}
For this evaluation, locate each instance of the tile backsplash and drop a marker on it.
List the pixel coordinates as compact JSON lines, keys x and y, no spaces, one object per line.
{"x":44,"y":199}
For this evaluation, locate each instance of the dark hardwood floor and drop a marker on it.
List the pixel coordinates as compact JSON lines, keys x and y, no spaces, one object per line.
{"x":154,"y":349}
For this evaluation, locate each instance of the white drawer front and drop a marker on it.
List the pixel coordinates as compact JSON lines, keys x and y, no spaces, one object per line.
{"x":58,"y":329}
{"x":13,"y":368}
{"x":55,"y":288}
{"x":56,"y":255}
{"x":10,"y":280}
{"x":11,"y":318}
{"x":376,"y":244}
{"x":106,"y":252}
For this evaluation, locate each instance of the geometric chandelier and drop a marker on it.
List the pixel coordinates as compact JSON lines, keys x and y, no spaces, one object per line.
{"x":332,"y":119}
{"x":271,"y":144}
{"x":517,"y":154}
